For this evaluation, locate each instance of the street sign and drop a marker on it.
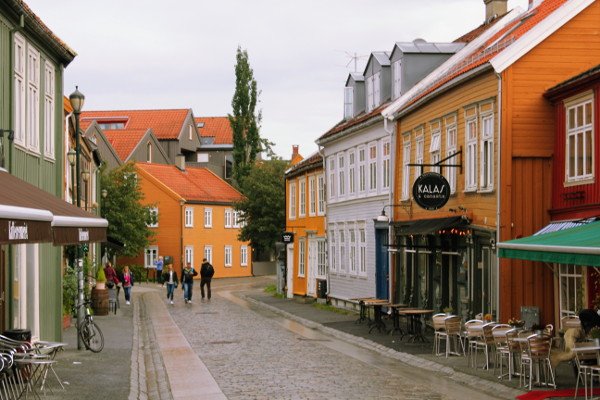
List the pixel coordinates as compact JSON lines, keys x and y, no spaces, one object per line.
{"x":431,"y":191}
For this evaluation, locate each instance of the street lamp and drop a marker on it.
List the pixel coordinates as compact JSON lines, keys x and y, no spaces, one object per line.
{"x":77,"y":99}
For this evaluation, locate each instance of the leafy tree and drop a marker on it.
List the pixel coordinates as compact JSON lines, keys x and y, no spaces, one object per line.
{"x":245,"y":120}
{"x":263,"y":209}
{"x":127,"y":218}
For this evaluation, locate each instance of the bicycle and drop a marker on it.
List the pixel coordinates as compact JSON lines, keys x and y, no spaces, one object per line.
{"x":89,"y":331}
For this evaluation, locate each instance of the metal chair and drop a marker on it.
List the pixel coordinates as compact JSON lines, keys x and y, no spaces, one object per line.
{"x":453,"y":329}
{"x":501,"y":349}
{"x":537,"y":353}
{"x":484,"y":341}
{"x":439,"y":332}
{"x":113,"y":300}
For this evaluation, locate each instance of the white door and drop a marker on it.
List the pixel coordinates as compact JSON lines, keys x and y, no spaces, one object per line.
{"x":290,"y":271}
{"x":312,"y":267}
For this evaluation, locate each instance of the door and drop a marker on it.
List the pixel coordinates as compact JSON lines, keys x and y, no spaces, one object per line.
{"x":312,"y":268}
{"x":381,"y":264}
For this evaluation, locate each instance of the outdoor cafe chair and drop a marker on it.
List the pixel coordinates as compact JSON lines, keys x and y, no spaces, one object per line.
{"x":484,"y":342}
{"x":453,"y":329}
{"x":439,"y":332}
{"x":501,"y":350}
{"x":470,"y":334}
{"x":570,"y":321}
{"x":587,"y":367}
{"x":537,"y":354}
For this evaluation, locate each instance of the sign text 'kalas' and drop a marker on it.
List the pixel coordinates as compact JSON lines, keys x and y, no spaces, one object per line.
{"x":17,"y":232}
{"x":431,"y":191}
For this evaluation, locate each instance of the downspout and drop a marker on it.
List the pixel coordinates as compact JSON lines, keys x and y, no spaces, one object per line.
{"x":499,"y":191}
{"x":66,"y":160}
{"x":391,"y":132}
{"x":320,"y":151}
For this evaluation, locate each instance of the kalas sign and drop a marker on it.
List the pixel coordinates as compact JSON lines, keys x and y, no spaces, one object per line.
{"x":431,"y":191}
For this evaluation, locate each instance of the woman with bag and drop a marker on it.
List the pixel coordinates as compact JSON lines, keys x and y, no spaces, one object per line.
{"x":127,"y":284}
{"x":169,"y":278}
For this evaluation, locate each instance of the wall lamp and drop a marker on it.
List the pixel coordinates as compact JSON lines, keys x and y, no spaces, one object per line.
{"x":405,"y":206}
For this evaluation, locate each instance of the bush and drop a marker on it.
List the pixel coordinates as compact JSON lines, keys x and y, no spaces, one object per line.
{"x":69,"y":290}
{"x":139,"y":273}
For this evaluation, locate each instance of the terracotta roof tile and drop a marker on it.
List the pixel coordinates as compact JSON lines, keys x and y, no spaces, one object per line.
{"x":312,"y":162}
{"x":124,"y":141}
{"x":193,"y":184}
{"x":217,"y":127}
{"x":166,"y":124}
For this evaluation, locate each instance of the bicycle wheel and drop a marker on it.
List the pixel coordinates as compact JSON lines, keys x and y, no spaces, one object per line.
{"x":91,"y":336}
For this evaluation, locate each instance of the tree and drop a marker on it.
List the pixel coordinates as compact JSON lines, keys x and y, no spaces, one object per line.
{"x":245,"y":120}
{"x":127,"y":218}
{"x":263,"y":208}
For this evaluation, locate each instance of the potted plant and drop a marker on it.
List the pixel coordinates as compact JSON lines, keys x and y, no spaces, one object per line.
{"x":448,"y":310}
{"x":100,"y":279}
{"x":595,"y":334}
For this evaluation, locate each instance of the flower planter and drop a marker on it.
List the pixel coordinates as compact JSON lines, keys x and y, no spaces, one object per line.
{"x":66,"y":322}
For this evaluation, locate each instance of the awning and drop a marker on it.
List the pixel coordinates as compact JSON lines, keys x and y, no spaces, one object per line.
{"x":427,"y":226}
{"x":555,"y":226}
{"x":578,"y":246}
{"x":43,"y":216}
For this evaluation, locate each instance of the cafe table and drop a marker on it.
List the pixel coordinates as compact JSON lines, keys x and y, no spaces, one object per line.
{"x":377,"y":322}
{"x":363,"y":316}
{"x":396,"y":318}
{"x":416,"y":326}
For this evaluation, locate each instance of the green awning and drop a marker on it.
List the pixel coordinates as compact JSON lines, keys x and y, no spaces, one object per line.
{"x":578,"y":246}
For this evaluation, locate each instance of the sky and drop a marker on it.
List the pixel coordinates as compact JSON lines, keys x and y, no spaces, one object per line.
{"x":148,"y":54}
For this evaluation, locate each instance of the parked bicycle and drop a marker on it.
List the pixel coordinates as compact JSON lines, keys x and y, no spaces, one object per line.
{"x":89,"y":331}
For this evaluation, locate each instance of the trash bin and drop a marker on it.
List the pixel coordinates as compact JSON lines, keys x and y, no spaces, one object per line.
{"x":23,"y":335}
{"x":321,"y":288}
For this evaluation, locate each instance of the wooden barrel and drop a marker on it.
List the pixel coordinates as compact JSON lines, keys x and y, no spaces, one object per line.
{"x":100,"y":301}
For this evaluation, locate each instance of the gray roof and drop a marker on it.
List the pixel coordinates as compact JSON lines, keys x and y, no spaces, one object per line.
{"x":356,"y":76}
{"x":422,"y":46}
{"x":382,"y":57}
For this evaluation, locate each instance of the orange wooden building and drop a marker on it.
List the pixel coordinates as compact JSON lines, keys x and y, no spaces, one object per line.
{"x":305,"y":218}
{"x":196,"y":219}
{"x":487,"y":103}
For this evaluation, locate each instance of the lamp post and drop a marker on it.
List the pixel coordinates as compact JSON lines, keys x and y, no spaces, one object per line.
{"x":71,"y":158}
{"x":77,"y":99}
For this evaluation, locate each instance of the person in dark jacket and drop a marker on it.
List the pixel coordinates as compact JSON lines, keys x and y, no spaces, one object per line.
{"x":169,"y":277}
{"x":187,"y":280}
{"x":206,"y":273}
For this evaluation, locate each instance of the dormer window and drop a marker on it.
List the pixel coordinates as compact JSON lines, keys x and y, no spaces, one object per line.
{"x":397,"y":79}
{"x":190,"y":129}
{"x":149,"y":152}
{"x":373,"y":91}
{"x":348,"y":102}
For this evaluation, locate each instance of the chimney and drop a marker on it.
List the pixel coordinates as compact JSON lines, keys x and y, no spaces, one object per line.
{"x":294,"y":150}
{"x":180,"y":161}
{"x":495,"y":8}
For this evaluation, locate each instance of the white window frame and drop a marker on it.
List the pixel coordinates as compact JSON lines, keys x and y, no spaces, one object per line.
{"x":362,"y":237}
{"x":236,"y":219}
{"x":362,"y":169}
{"x":386,"y":154}
{"x":471,"y":154}
{"x":301,"y":257}
{"x":406,"y":147}
{"x":342,"y":248}
{"x":19,"y":89}
{"x":396,"y":79}
{"x":321,"y":195}
{"x":149,"y":152}
{"x":435,"y":149}
{"x":208,"y":220}
{"x":154,"y":211}
{"x":451,"y":148}
{"x":331,"y":171}
{"x":189,"y":217}
{"x":208,"y":253}
{"x":369,"y":88}
{"x":228,"y":218}
{"x":486,"y":158}
{"x":576,"y":132}
{"x":351,"y":172}
{"x":373,"y":153}
{"x":33,"y":100}
{"x":376,"y":89}
{"x":302,"y":197}
{"x":312,"y":196}
{"x":244,"y":256}
{"x":348,"y":102}
{"x":49,"y":109}
{"x":419,"y":153}
{"x":321,"y":258}
{"x":292,"y":203}
{"x":352,"y":253}
{"x":228,"y":256}
{"x":341,"y":169}
{"x":189,"y":255}
{"x":150,"y":256}
{"x":332,"y":250}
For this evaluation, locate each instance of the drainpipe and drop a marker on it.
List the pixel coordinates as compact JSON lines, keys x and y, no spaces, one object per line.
{"x":498,"y":191}
{"x":66,"y":161}
{"x":392,"y":134}
{"x":320,"y":151}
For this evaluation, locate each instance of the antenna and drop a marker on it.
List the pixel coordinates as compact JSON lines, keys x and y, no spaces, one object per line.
{"x":353,"y":57}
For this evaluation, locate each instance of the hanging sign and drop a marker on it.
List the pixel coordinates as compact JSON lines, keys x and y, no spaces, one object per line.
{"x":287,"y":237}
{"x":431,"y":191}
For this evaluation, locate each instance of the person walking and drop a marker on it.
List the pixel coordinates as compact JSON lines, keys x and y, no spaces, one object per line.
{"x":159,"y":263}
{"x":127,"y":279}
{"x":169,"y":277}
{"x":206,"y":273}
{"x":111,"y":275}
{"x":187,"y":280}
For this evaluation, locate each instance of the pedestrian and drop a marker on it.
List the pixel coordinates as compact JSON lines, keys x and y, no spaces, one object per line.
{"x":187,"y":280}
{"x":127,"y":279}
{"x":159,"y":263}
{"x":206,"y":273}
{"x":170,"y":278}
{"x":112,"y":278}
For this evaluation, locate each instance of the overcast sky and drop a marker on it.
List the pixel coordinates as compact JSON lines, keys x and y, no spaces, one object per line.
{"x":148,"y":54}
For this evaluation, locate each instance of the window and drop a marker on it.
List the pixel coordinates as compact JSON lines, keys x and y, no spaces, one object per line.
{"x":189,"y":254}
{"x":331,"y":177}
{"x":228,"y":218}
{"x":302,"y":186}
{"x":369,"y":90}
{"x":292,"y":210}
{"x":33,"y":100}
{"x":396,"y":79}
{"x":202,"y":157}
{"x":189,"y":217}
{"x":149,"y":152}
{"x":236,"y":219}
{"x":486,"y":169}
{"x":386,"y":151}
{"x":208,"y":217}
{"x":301,"y":257}
{"x":435,"y":147}
{"x":332,"y":251}
{"x":244,"y":256}
{"x":208,"y":253}
{"x":150,"y":255}
{"x":321,"y":184}
{"x":49,"y":135}
{"x":362,"y":173}
{"x":228,"y":256}
{"x":420,"y":152}
{"x":406,"y":168}
{"x":351,"y":172}
{"x":451,"y":148}
{"x":312,"y":196}
{"x":471,"y":154}
{"x":19,"y":89}
{"x":190,"y":132}
{"x":363,"y":252}
{"x":153,"y":223}
{"x":342,"y":247}
{"x":579,"y":162}
{"x":376,"y":90}
{"x":352,"y":267}
{"x":321,"y":258}
{"x":342,"y":176}
{"x":373,"y":167}
{"x":348,"y":102}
